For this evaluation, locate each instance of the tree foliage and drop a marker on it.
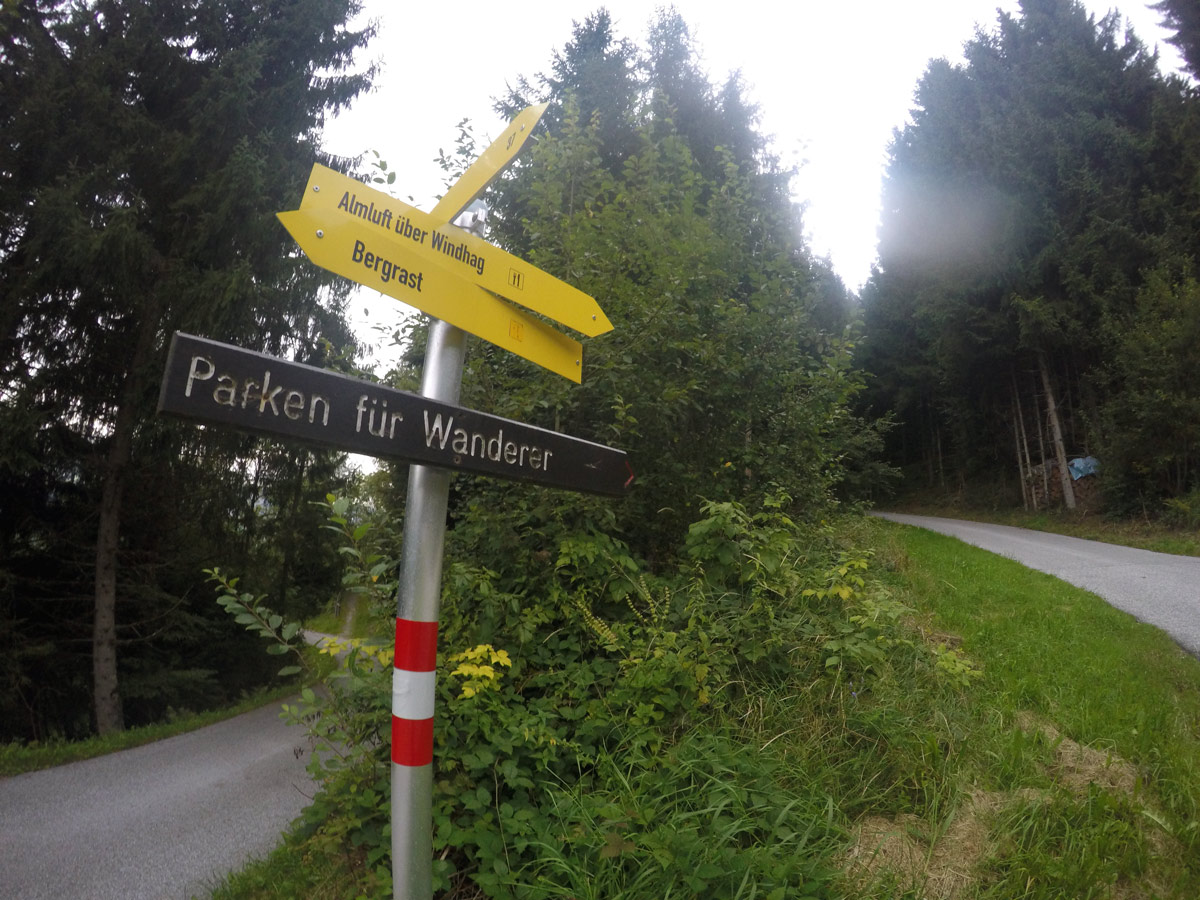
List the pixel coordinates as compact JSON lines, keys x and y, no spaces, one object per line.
{"x":147,"y":146}
{"x":1183,"y":18}
{"x":1024,"y":205}
{"x":728,"y":370}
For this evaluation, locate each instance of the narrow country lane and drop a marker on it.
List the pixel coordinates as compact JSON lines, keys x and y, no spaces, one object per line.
{"x":1157,"y":588}
{"x":164,"y":820}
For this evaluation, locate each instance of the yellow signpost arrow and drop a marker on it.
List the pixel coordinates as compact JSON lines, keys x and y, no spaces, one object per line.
{"x":427,"y":241}
{"x":494,"y":160}
{"x":371,"y":258}
{"x":419,"y":258}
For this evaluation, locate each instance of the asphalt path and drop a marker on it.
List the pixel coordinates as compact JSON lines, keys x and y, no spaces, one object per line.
{"x":1157,"y":588}
{"x":165,"y":820}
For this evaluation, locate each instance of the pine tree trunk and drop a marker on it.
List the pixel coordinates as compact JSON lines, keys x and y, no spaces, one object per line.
{"x":1060,"y":451}
{"x":940,"y":464}
{"x":106,"y":694}
{"x":930,"y":463}
{"x":287,"y":535}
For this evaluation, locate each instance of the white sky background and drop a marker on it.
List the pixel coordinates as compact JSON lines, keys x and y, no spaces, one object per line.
{"x":832,"y":79}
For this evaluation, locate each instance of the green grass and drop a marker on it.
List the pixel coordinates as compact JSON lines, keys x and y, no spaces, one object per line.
{"x":1104,"y":680}
{"x":291,"y":872}
{"x":325,"y":623}
{"x":18,"y":758}
{"x":1054,"y":648}
{"x":329,"y":622}
{"x":713,"y":811}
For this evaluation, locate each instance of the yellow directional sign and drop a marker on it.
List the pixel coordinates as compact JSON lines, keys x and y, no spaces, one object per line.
{"x":386,"y":263}
{"x":380,"y":242}
{"x":491,"y":162}
{"x":430,"y":242}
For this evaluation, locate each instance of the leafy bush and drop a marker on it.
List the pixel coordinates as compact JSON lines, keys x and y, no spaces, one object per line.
{"x":583,"y":731}
{"x":1183,"y":512}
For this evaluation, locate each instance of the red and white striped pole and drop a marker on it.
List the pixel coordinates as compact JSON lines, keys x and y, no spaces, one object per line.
{"x":413,"y":690}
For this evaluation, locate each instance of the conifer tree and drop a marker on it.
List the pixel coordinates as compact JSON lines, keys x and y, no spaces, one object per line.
{"x":1036,"y":185}
{"x":148,"y":144}
{"x":1183,"y":17}
{"x":717,"y":376}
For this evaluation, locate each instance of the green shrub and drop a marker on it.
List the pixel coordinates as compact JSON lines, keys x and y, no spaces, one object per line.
{"x":583,"y":731}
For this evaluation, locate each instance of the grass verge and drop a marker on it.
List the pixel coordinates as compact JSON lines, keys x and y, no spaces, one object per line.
{"x":289,"y":871}
{"x":1083,"y":749}
{"x":16,"y":759}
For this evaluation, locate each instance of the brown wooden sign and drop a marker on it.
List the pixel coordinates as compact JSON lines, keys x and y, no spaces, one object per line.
{"x":219,"y":384}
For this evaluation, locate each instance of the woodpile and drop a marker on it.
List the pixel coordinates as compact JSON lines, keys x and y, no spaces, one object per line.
{"x":1044,"y":487}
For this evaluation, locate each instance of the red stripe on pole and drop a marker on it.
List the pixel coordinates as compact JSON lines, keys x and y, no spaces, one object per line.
{"x":416,"y":645}
{"x":412,"y":741}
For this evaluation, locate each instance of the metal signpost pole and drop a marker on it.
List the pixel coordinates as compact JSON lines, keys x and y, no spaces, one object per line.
{"x":416,"y":628}
{"x":219,"y":384}
{"x":379,"y":242}
{"x":414,"y":672}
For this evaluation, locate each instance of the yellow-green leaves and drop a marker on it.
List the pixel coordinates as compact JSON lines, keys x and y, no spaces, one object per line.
{"x":477,"y":668}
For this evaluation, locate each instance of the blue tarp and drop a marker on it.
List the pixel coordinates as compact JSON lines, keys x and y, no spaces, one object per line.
{"x":1086,"y":465}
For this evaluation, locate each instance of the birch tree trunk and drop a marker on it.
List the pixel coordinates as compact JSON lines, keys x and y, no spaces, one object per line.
{"x":1020,"y":461}
{"x":1018,"y":430}
{"x":1028,"y":461}
{"x":1041,"y":435}
{"x":1060,"y":451}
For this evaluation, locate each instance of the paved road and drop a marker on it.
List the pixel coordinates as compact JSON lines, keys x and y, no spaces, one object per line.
{"x":1158,"y":588}
{"x":165,"y":820}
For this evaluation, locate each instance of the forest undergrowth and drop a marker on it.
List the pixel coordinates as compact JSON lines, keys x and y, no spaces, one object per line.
{"x":786,"y":713}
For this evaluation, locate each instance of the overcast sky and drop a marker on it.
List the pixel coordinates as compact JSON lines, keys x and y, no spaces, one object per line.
{"x":831,"y":79}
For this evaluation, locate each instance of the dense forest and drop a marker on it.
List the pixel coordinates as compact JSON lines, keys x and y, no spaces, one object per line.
{"x":148,"y":145}
{"x":1036,"y":297}
{"x":1036,"y":301}
{"x":146,"y":149}
{"x":714,"y":665}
